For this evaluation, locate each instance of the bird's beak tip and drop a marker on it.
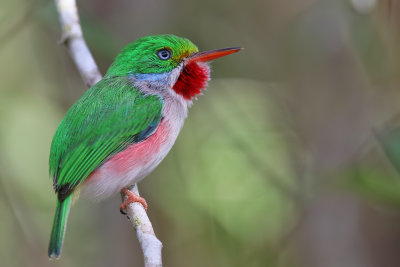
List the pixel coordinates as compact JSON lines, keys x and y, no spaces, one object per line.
{"x":214,"y":54}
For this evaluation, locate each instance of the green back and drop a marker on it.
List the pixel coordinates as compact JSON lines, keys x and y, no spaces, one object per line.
{"x":105,"y":120}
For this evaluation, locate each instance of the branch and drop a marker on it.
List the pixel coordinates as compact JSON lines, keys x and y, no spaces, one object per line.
{"x":72,"y":37}
{"x":150,"y":244}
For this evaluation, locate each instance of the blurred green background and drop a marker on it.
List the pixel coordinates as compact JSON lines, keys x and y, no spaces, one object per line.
{"x":278,"y":163}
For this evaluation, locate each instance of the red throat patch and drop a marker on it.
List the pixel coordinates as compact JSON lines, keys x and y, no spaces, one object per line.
{"x":193,"y":79}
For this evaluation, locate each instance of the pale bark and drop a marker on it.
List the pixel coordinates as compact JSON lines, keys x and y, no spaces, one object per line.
{"x":150,"y":244}
{"x":72,"y":37}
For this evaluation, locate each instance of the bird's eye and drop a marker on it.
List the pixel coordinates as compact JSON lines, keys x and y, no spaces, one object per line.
{"x":164,"y":54}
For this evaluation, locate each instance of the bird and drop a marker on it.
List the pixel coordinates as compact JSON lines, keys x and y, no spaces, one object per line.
{"x":122,"y":127}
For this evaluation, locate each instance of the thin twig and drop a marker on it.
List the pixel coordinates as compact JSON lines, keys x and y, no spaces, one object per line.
{"x":72,"y":37}
{"x":150,"y":244}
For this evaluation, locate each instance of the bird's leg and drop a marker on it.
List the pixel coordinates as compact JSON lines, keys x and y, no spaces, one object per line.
{"x":132,"y":197}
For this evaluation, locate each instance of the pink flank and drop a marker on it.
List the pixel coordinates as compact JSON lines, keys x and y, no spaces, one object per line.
{"x":130,"y":165}
{"x":140,"y":153}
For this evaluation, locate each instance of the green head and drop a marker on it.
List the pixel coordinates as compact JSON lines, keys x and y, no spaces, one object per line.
{"x":152,"y":54}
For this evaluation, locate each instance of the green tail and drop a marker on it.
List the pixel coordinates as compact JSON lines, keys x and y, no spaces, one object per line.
{"x":59,"y":226}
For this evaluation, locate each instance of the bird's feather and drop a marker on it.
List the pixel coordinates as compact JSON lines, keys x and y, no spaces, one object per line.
{"x":59,"y":226}
{"x":110,"y":116}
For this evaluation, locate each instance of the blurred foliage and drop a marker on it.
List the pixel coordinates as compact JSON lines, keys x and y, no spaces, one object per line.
{"x":285,"y":161}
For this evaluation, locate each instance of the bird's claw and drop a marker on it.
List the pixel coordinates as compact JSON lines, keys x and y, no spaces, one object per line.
{"x":132,"y":197}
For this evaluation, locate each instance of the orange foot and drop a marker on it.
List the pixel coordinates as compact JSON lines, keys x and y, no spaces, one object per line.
{"x":132,"y":197}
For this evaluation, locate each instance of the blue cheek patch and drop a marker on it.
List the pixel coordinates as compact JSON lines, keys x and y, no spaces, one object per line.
{"x":152,"y":77}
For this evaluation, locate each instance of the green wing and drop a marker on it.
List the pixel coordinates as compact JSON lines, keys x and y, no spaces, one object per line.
{"x":104,"y":121}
